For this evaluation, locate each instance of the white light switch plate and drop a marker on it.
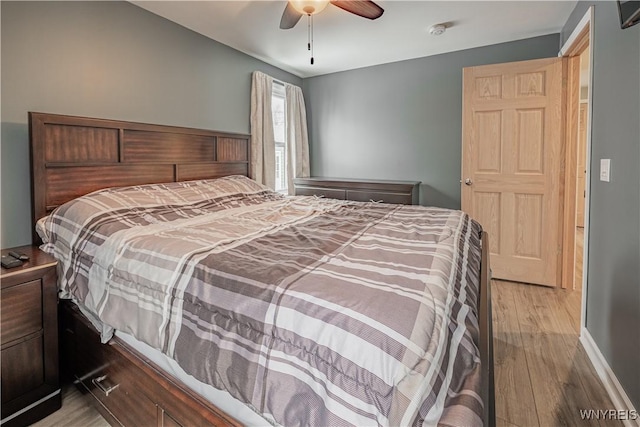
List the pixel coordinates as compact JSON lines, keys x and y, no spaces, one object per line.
{"x":605,"y":169}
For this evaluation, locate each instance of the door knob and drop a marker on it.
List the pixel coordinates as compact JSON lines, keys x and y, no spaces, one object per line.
{"x":468,"y":181}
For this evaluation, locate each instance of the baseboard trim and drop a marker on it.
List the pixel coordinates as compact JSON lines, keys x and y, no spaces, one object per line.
{"x":617,"y":394}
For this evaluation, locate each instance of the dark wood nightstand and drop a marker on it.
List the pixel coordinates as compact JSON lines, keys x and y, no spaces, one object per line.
{"x":29,"y":339}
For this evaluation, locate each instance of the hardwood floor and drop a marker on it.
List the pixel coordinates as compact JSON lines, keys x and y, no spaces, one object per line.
{"x":542,"y":373}
{"x":77,"y":411}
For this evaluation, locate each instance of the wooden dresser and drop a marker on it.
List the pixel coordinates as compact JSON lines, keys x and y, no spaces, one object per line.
{"x":359,"y":190}
{"x":29,"y":339}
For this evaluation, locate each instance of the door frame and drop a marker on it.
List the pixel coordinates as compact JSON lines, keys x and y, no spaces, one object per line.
{"x":572,"y":48}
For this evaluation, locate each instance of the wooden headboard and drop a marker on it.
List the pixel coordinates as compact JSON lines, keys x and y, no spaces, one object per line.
{"x":72,"y":156}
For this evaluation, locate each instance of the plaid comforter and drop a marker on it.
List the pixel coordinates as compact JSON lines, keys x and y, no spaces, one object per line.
{"x":310,"y":311}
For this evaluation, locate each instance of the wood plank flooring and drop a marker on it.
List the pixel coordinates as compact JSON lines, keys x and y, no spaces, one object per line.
{"x":542,"y":373}
{"x":76,"y":411}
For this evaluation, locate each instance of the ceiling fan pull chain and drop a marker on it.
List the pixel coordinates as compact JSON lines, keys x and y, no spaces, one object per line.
{"x":310,"y":35}
{"x":311,"y":39}
{"x":308,"y":32}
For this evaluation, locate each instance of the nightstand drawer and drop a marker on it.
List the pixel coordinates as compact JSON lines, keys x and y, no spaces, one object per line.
{"x":25,"y":372}
{"x":21,"y":310}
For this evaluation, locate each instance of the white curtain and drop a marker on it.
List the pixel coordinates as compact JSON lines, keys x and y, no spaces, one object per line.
{"x":297,"y":136}
{"x":263,"y":146}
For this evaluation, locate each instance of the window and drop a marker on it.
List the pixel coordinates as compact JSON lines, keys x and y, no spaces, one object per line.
{"x":279,"y":133}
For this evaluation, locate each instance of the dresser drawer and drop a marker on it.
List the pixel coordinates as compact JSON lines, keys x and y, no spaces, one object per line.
{"x":378,"y":196}
{"x":21,"y":310}
{"x":321,"y":192}
{"x":359,"y":190}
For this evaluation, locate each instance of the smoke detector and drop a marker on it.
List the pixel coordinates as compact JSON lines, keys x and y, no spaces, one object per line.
{"x":438,"y":29}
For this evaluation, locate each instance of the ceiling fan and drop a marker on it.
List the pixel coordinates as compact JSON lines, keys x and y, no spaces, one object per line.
{"x":296,"y":9}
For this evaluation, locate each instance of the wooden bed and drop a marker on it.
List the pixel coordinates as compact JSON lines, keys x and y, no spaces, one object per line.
{"x":72,"y":156}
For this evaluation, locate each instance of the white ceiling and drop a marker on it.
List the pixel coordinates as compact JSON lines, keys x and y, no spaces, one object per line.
{"x":343,"y":41}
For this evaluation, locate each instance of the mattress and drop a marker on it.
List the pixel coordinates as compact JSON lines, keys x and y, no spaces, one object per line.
{"x":308,"y":311}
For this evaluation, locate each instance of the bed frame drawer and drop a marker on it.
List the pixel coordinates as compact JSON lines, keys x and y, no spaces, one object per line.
{"x":128,"y":388}
{"x":105,"y":374}
{"x":115,"y":388}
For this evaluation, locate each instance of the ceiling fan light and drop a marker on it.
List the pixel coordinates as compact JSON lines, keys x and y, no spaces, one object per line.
{"x":309,"y":7}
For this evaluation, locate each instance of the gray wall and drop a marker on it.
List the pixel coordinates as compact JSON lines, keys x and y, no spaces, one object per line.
{"x":613,"y":293}
{"x":111,"y":60}
{"x":402,"y":120}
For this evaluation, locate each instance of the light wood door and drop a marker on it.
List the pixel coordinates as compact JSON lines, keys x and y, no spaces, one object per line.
{"x":581,"y":174}
{"x":511,"y":165}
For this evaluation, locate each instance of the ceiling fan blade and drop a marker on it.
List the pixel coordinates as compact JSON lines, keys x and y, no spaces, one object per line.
{"x":364,"y":8}
{"x":290,"y":17}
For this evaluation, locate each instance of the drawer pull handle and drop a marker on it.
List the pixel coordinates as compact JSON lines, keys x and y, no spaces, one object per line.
{"x":106,"y":389}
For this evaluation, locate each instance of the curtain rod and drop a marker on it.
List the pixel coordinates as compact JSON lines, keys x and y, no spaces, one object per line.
{"x":273,"y":79}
